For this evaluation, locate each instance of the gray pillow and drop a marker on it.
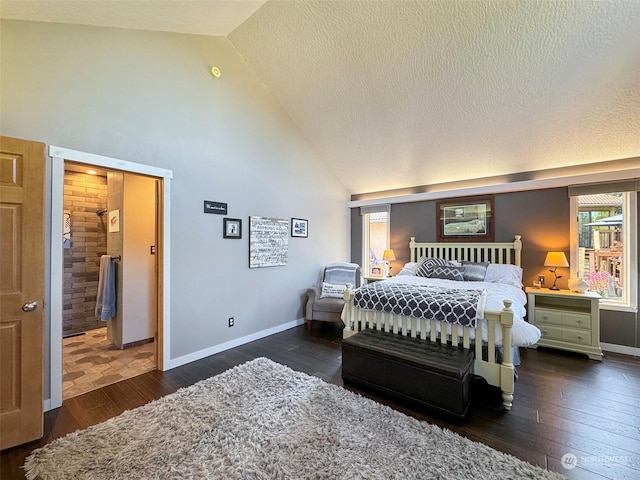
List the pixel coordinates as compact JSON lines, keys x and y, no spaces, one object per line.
{"x":425,"y":269}
{"x":474,"y":271}
{"x":448,"y":272}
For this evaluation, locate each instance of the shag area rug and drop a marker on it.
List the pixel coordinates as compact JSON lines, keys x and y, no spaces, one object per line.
{"x":262,"y":420}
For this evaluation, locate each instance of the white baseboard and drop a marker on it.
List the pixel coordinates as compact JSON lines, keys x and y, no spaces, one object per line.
{"x":623,"y":349}
{"x":46,"y":405}
{"x":192,"y":357}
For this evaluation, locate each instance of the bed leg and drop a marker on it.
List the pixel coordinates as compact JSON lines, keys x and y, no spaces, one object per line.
{"x":507,"y":400}
{"x":309,"y":324}
{"x":347,"y":312}
{"x":507,"y":370}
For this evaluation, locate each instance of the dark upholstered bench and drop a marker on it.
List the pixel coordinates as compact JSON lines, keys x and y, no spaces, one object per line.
{"x":411,"y":370}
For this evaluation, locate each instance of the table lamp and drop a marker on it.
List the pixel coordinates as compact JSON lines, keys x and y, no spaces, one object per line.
{"x":388,"y":256}
{"x":555,"y":260}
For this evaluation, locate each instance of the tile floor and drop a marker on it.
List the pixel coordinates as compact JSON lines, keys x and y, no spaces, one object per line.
{"x":90,"y":362}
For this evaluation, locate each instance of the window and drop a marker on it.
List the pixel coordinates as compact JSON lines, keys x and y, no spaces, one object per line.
{"x":604,"y":242}
{"x":375,"y":238}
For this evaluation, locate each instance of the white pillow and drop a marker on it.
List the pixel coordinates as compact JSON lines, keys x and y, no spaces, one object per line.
{"x":409,"y":269}
{"x":504,"y":273}
{"x":331,"y":290}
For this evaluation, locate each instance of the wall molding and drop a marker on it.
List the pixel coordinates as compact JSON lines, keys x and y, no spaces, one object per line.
{"x":613,"y":170}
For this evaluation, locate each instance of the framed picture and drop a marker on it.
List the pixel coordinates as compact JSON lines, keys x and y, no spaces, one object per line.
{"x":465,"y":220}
{"x":299,"y":227}
{"x":376,"y":270}
{"x":232,"y":228}
{"x":268,"y":242}
{"x":114,"y":221}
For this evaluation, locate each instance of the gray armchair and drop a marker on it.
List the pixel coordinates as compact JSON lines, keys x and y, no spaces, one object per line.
{"x":328,"y":308}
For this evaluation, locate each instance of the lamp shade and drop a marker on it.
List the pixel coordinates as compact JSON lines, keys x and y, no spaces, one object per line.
{"x":388,"y":255}
{"x":556,"y":259}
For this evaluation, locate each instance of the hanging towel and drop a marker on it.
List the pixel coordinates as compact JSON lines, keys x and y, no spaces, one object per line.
{"x":106,"y":299}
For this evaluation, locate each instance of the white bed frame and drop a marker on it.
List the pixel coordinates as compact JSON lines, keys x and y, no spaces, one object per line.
{"x":485,"y":364}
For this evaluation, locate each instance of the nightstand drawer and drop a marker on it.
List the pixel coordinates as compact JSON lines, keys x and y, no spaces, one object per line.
{"x":577,"y":336}
{"x":552,"y":333}
{"x":576,"y":320}
{"x":548,"y":316}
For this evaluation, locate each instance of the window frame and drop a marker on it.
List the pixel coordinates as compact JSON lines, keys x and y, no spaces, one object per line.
{"x":366,"y":213}
{"x":629,"y":301}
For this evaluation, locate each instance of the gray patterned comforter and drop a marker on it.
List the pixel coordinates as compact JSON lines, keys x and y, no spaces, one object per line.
{"x":457,"y":306}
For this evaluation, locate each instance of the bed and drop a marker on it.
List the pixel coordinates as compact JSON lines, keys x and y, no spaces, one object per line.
{"x":497,"y":297}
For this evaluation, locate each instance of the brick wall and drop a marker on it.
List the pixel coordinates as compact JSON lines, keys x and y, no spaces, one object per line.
{"x":83,"y":195}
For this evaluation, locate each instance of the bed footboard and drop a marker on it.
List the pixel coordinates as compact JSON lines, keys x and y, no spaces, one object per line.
{"x":485,"y":364}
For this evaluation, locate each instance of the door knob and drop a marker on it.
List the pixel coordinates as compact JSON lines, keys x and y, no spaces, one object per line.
{"x":30,"y":306}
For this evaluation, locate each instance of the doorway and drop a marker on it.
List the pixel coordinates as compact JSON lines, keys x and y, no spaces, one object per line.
{"x":98,"y":351}
{"x":162,"y":247}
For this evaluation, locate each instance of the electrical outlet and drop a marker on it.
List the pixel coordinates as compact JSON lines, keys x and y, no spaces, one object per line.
{"x":232,"y":321}
{"x":541,"y":279}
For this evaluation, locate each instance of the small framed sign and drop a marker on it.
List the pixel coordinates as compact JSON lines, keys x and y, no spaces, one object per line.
{"x":217,"y":208}
{"x":232,"y":228}
{"x":299,"y":227}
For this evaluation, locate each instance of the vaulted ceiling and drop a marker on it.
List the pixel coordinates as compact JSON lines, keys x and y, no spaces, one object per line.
{"x":394,"y":94}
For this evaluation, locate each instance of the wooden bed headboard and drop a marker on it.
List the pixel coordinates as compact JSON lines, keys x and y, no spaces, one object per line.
{"x":475,"y":252}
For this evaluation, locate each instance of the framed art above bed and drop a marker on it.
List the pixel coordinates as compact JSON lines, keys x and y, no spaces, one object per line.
{"x":465,"y":220}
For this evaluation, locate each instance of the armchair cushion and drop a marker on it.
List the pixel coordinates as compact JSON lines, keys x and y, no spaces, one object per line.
{"x":329,"y":305}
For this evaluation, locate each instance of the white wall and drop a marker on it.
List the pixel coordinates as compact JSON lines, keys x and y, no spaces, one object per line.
{"x":148,"y":97}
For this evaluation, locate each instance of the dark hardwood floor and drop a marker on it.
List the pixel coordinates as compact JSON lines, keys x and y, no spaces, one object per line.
{"x":564,"y":403}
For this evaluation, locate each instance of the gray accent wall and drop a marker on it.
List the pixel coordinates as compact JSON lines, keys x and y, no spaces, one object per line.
{"x":149,"y":97}
{"x":540,"y":216}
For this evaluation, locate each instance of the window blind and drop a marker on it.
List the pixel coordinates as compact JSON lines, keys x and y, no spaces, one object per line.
{"x":384,"y":208}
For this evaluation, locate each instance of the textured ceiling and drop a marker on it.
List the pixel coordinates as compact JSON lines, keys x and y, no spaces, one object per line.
{"x":394,"y":94}
{"x":204,"y":17}
{"x":399,"y":93}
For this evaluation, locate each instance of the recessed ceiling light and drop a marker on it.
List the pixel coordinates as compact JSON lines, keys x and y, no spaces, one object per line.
{"x":92,"y":172}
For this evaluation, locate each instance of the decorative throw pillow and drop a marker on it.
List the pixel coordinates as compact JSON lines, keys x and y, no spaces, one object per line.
{"x":474,"y":271}
{"x":426,"y":266}
{"x":330,"y":290}
{"x":448,"y":272}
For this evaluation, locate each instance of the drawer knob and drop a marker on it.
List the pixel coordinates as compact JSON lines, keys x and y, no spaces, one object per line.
{"x":579,"y":337}
{"x":579,"y":322}
{"x":545,"y":317}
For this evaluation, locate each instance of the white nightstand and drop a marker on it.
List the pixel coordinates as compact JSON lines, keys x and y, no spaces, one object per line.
{"x":567,"y":320}
{"x":374,"y":279}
